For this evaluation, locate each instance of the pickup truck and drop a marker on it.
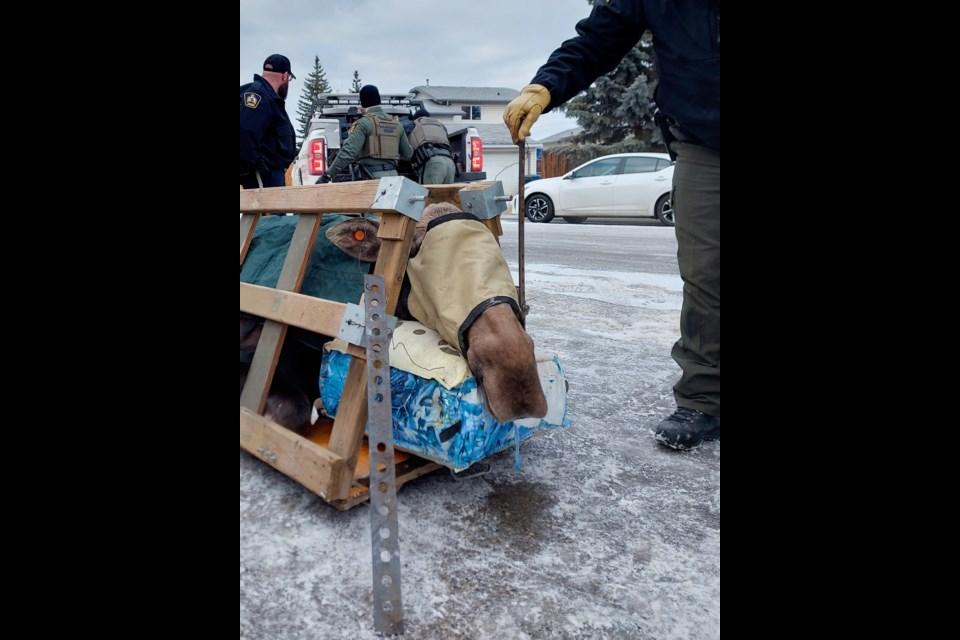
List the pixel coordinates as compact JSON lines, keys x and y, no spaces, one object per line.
{"x":330,"y":126}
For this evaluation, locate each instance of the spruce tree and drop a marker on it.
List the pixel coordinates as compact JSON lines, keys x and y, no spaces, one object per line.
{"x":616,"y":111}
{"x":357,"y":84}
{"x":313,"y":85}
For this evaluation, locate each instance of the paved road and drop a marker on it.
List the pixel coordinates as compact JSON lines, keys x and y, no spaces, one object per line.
{"x":601,"y":534}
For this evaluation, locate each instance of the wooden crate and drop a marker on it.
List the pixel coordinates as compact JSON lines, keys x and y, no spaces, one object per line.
{"x":330,"y":458}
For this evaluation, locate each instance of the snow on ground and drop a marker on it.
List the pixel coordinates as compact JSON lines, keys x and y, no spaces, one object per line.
{"x":601,"y":534}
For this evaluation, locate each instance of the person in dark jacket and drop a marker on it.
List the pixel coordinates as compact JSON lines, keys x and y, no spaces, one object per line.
{"x":267,"y":139}
{"x":686,"y":40}
{"x":432,"y":156}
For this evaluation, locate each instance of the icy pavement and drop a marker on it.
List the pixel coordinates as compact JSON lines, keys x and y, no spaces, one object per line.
{"x":601,"y":534}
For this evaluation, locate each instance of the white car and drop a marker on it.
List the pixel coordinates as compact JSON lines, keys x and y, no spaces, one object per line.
{"x":616,"y":186}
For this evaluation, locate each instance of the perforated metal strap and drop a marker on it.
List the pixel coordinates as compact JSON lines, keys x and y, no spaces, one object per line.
{"x":387,"y":603}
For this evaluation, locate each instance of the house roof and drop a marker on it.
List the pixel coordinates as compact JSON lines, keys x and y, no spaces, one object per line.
{"x":563,"y":135}
{"x":493,"y":135}
{"x":436,"y":109}
{"x":495,"y":95}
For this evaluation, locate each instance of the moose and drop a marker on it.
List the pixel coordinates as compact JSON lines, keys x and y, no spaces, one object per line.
{"x":458,"y":283}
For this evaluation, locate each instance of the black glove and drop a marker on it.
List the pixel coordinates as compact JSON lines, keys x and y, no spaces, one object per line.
{"x":324,"y":178}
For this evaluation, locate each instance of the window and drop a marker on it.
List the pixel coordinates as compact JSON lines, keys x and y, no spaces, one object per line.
{"x":642,"y":165}
{"x":606,"y":167}
{"x":471,"y":112}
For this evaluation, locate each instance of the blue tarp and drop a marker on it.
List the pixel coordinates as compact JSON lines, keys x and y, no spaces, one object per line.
{"x":451,"y":427}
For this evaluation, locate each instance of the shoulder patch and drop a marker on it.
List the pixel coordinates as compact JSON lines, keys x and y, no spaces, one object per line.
{"x":251,"y":100}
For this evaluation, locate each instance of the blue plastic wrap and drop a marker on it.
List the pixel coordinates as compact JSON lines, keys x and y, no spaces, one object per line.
{"x":449,"y":426}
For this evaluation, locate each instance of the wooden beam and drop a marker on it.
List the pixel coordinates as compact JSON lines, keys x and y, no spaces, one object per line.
{"x":394,"y":255}
{"x":340,"y":197}
{"x":297,"y":310}
{"x":411,"y":469}
{"x":264,"y":365}
{"x":451,"y":192}
{"x":351,"y":419}
{"x":309,"y":464}
{"x":314,"y":314}
{"x":248,"y":224}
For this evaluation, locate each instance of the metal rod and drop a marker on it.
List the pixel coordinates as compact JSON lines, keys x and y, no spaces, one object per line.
{"x":385,"y":543}
{"x":522,"y":290}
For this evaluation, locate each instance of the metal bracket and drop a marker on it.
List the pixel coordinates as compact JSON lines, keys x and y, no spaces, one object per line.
{"x":399,"y":194}
{"x":384,"y":527}
{"x":352,"y":328}
{"x":484,"y":203}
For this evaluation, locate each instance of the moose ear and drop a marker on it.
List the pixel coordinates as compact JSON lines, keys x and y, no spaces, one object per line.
{"x":357,"y":238}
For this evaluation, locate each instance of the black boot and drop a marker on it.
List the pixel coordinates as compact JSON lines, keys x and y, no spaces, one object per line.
{"x":687,"y":429}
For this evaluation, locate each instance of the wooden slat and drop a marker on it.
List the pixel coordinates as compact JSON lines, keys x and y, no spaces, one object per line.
{"x":352,"y":415}
{"x":391,"y":228}
{"x":451,"y":192}
{"x":248,"y":224}
{"x":309,"y":464}
{"x":297,"y":310}
{"x":264,"y":365}
{"x":393,"y":256}
{"x":349,"y":426}
{"x":340,"y":197}
{"x":314,"y":314}
{"x":410,"y":469}
{"x":495,"y":227}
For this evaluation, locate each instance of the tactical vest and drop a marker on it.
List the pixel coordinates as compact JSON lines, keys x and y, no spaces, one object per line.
{"x":428,"y":138}
{"x":384,"y":144}
{"x":428,"y":130}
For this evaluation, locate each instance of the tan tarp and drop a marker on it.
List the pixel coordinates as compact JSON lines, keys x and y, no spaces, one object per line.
{"x":457,"y":273}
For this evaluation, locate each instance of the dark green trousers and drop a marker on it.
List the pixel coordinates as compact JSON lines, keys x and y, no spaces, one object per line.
{"x":696,"y":206}
{"x":439,"y":170}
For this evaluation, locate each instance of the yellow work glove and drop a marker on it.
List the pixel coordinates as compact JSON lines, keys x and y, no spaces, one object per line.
{"x":524,"y":110}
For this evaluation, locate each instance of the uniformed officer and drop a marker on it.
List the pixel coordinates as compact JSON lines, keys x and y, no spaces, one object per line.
{"x":267,"y":139}
{"x":686,"y":39}
{"x":376,"y":140}
{"x":432,"y":157}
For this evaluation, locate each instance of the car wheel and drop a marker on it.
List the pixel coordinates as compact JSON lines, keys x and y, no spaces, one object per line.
{"x":573,"y":219}
{"x":539,"y":208}
{"x":664,"y":210}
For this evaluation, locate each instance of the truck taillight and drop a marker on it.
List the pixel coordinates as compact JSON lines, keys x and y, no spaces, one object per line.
{"x":476,"y":154}
{"x":318,"y":157}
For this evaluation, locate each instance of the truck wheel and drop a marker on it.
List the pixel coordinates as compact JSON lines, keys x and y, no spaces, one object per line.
{"x":539,"y":208}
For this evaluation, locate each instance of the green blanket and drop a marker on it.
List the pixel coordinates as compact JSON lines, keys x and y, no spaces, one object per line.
{"x":331,"y":274}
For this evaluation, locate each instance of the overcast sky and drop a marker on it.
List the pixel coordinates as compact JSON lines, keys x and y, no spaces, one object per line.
{"x":399,"y":44}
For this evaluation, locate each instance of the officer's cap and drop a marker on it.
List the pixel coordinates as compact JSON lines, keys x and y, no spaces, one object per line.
{"x":278,"y":64}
